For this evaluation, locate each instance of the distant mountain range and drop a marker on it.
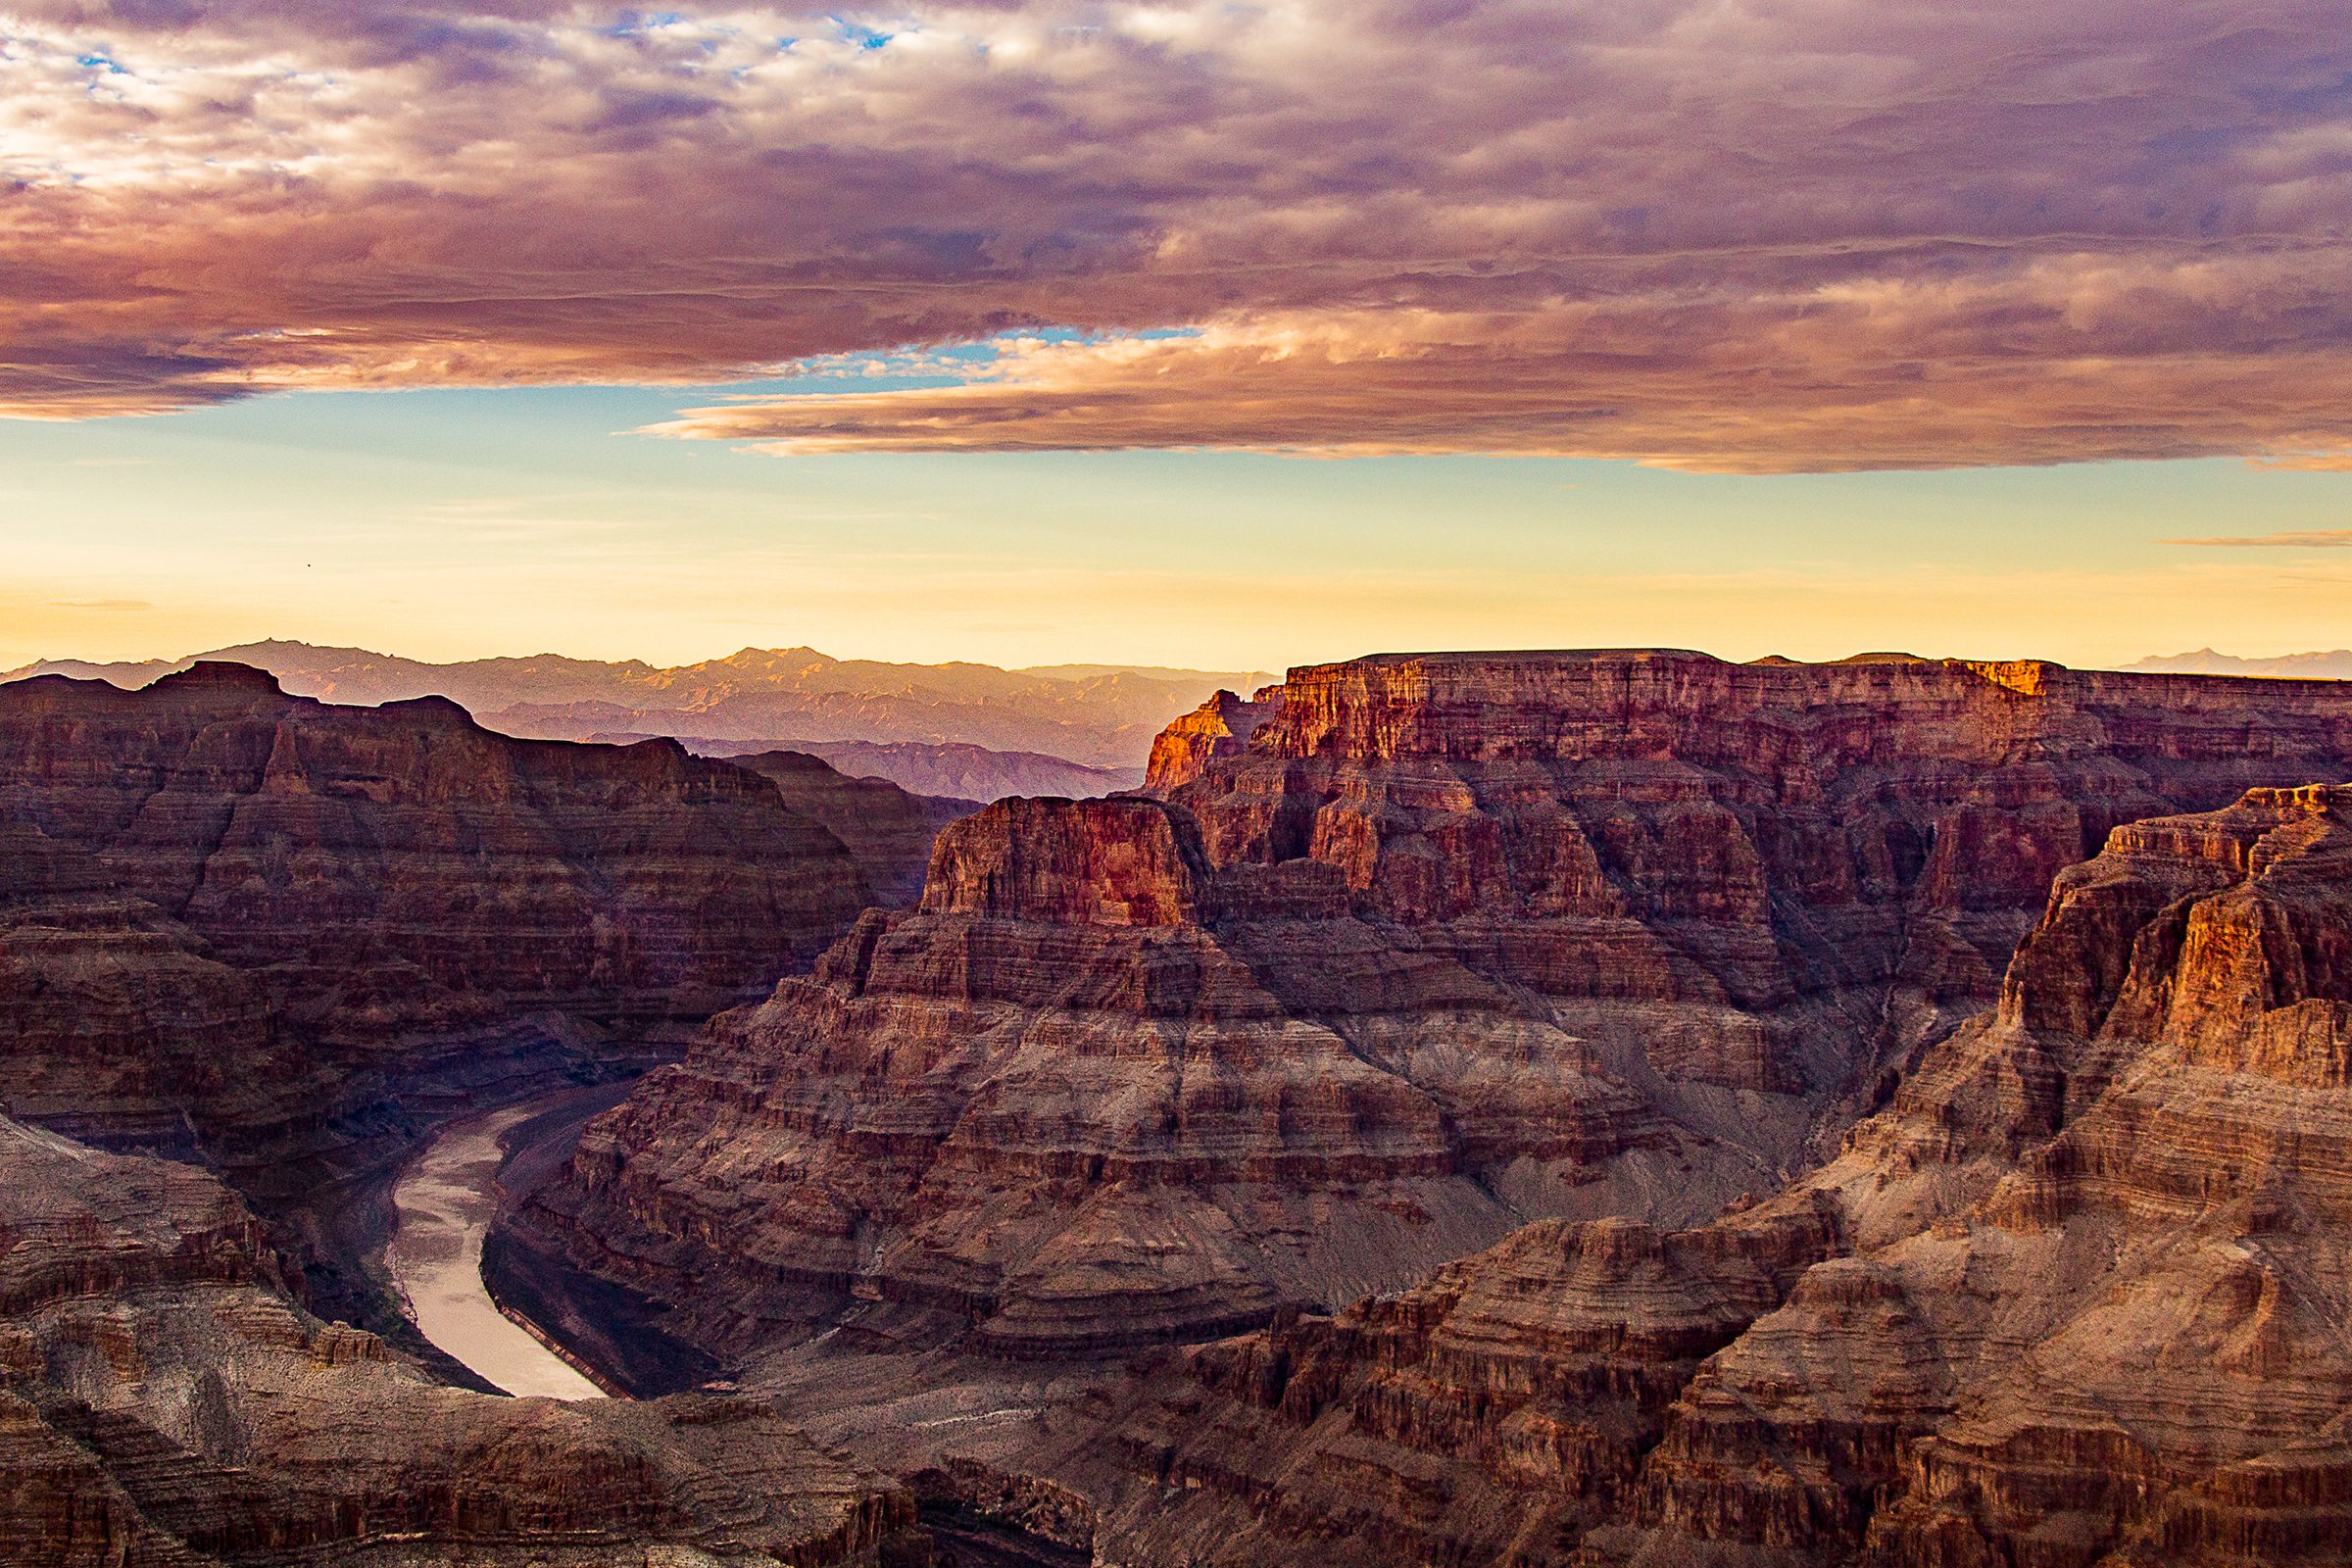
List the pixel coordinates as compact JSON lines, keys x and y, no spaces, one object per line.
{"x":2337,"y":665}
{"x":927,"y":727}
{"x":949,"y":770}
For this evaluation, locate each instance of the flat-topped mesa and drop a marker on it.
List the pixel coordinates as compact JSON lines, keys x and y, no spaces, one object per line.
{"x":1115,"y":861}
{"x":1663,"y":703}
{"x":1914,"y":809}
{"x":365,"y":893}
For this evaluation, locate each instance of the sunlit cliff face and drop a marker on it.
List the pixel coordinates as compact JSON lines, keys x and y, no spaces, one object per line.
{"x":1754,"y":237}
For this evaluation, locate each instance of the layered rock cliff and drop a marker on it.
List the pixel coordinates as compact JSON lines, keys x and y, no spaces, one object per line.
{"x":888,"y":830}
{"x":229,"y":917}
{"x":1413,"y":949}
{"x":1872,"y":835}
{"x":164,"y":1404}
{"x":2074,"y":1298}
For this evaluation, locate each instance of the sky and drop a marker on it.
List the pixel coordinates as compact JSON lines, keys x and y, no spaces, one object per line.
{"x":1218,"y":334}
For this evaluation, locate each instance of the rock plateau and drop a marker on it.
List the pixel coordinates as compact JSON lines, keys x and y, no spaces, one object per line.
{"x":1399,"y":956}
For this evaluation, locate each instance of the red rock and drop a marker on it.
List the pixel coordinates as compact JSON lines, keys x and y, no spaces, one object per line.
{"x":1415,"y":948}
{"x":163,"y":1402}
{"x":245,"y":913}
{"x":888,"y":830}
{"x":2069,"y":1299}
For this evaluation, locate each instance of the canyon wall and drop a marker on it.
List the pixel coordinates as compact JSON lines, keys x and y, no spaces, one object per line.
{"x":887,"y":829}
{"x":1400,"y":956}
{"x":164,"y":1404}
{"x":2074,"y":1297}
{"x":229,"y":917}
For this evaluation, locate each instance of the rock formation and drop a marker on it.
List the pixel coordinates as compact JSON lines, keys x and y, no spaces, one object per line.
{"x":2074,"y":1298}
{"x":962,"y":772}
{"x":164,"y":1404}
{"x":885,"y":828}
{"x":1219,"y":728}
{"x":1414,"y":949}
{"x":949,"y":770}
{"x":237,"y":919}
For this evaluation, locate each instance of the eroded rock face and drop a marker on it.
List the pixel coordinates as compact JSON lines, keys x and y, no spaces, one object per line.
{"x":1412,"y":950}
{"x":1048,"y":1103}
{"x":229,"y":916}
{"x":163,"y":1402}
{"x":1774,"y":838}
{"x":2074,"y":1297}
{"x":1219,"y":728}
{"x":887,"y":829}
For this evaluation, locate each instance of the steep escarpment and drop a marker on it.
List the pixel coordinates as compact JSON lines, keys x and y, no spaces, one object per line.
{"x":887,"y":829}
{"x":1869,"y":838}
{"x":1412,"y":950}
{"x":1218,"y":728}
{"x":163,"y":1402}
{"x":230,"y":918}
{"x":1047,"y":1105}
{"x":2074,"y":1297}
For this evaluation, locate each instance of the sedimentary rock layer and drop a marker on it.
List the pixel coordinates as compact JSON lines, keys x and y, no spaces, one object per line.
{"x":2074,"y":1297}
{"x":885,"y":828}
{"x":221,"y":908}
{"x":164,"y":1404}
{"x":1409,"y":951}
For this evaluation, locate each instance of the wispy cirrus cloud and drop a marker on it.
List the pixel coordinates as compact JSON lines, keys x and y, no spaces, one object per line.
{"x":2291,"y":539}
{"x":1798,"y":234}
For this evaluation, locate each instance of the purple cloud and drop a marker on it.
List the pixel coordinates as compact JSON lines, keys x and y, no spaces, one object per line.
{"x":1836,"y":233}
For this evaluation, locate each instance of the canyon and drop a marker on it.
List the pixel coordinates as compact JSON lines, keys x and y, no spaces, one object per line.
{"x":167,"y":1403}
{"x":233,"y":915}
{"x":1395,"y":958}
{"x":284,"y":937}
{"x":1614,"y":1107}
{"x":2073,"y":1296}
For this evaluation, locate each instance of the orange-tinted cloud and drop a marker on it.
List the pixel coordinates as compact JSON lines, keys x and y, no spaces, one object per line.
{"x":1783,"y":236}
{"x":2290,"y":539}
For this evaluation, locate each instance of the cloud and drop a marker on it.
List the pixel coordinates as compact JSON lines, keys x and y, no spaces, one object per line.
{"x":101,"y":604}
{"x":2301,"y":539}
{"x":1789,"y":235}
{"x":2309,"y":462}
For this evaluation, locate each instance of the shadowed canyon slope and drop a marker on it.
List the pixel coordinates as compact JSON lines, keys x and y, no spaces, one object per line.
{"x":241,"y":920}
{"x":1411,"y":952}
{"x":164,"y":1404}
{"x":2074,"y":1298}
{"x":886,"y":829}
{"x":949,"y":770}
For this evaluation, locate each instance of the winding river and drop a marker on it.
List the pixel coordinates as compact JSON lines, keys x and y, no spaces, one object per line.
{"x":443,"y":1206}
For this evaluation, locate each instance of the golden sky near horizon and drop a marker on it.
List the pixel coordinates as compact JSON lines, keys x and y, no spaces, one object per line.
{"x":1188,"y":332}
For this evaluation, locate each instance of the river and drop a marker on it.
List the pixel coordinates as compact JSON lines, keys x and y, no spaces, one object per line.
{"x":443,"y":1204}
